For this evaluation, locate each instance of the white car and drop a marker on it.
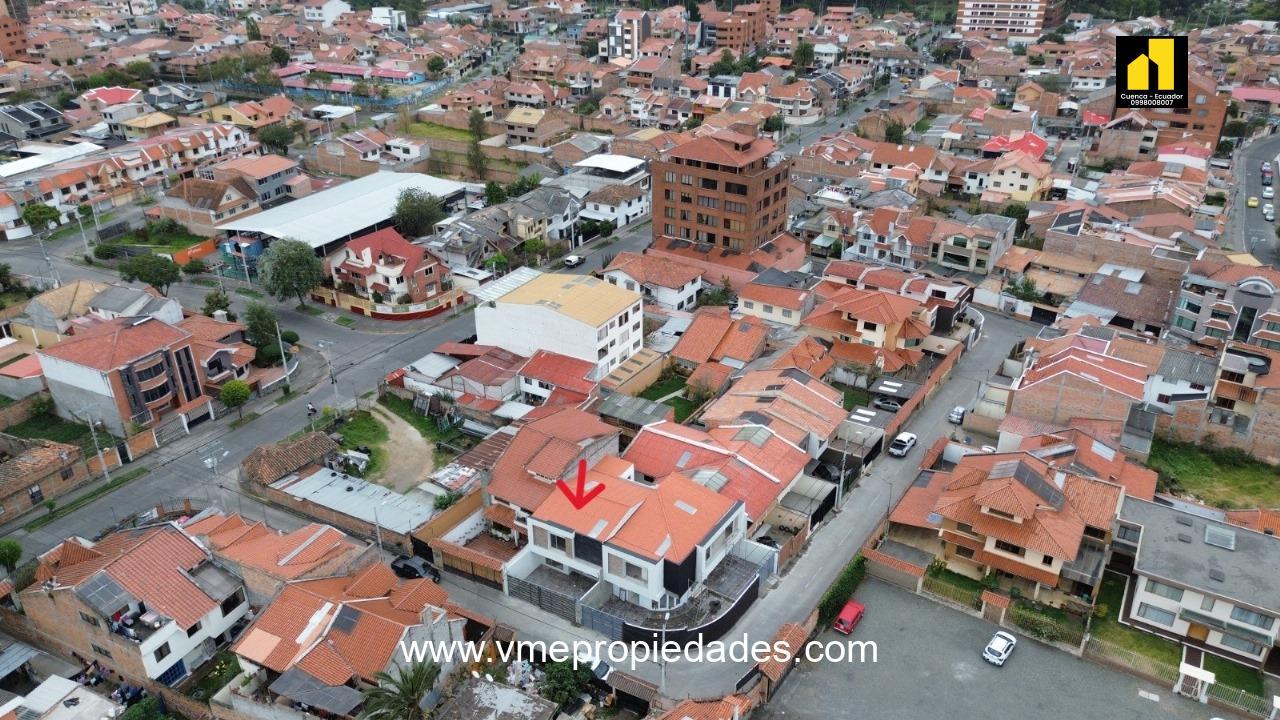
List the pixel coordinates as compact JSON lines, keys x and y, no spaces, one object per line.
{"x":1000,"y":648}
{"x":956,"y":416}
{"x":1268,"y":192}
{"x":572,"y":261}
{"x":902,"y":444}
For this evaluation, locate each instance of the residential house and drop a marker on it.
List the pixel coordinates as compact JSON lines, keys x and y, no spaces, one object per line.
{"x":532,"y":126}
{"x":268,"y":175}
{"x":49,"y":316}
{"x":775,"y":302}
{"x":617,"y":204}
{"x":31,"y":120}
{"x":324,"y":11}
{"x":222,"y":354}
{"x":33,"y":472}
{"x":628,"y":30}
{"x":973,"y":246}
{"x":666,"y":283}
{"x":578,"y":316}
{"x":126,"y":373}
{"x":149,"y":602}
{"x":550,"y":378}
{"x":872,"y":328}
{"x":1224,"y":300}
{"x":797,"y":407}
{"x":387,"y":268}
{"x":201,"y":205}
{"x":256,"y":114}
{"x":713,"y":336}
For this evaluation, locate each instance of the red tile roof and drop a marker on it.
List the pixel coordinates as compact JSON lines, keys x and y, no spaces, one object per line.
{"x":542,"y":452}
{"x":117,"y":343}
{"x":560,"y":371}
{"x":653,"y":270}
{"x":724,"y":148}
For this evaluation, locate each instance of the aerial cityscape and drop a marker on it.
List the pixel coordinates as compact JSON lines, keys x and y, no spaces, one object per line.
{"x":542,"y":359}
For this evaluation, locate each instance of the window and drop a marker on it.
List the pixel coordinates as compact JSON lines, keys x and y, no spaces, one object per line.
{"x":786,"y":313}
{"x":870,"y":326}
{"x":748,"y":305}
{"x":66,"y":473}
{"x":635,"y":572}
{"x":1047,"y":560}
{"x":964,"y":552}
{"x":162,"y":652}
{"x":233,"y":602}
{"x":1164,"y":591}
{"x":560,"y":543}
{"x":1250,"y":617}
{"x":1155,"y":614}
{"x":1207,"y":603}
{"x":1009,"y":548}
{"x":1241,"y":644}
{"x":193,"y":629}
{"x":89,"y":618}
{"x":36,"y":495}
{"x":101,"y":650}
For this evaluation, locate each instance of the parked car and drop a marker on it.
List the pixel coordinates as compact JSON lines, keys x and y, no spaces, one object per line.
{"x":412,"y":567}
{"x":1252,"y":201}
{"x":902,"y":444}
{"x":1000,"y":648}
{"x":956,"y":416}
{"x":572,"y":261}
{"x":887,"y":404}
{"x":849,"y":617}
{"x":1266,"y":165}
{"x":1268,"y":192}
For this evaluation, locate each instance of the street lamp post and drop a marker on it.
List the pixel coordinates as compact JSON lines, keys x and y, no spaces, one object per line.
{"x":93,"y":433}
{"x":213,"y":461}
{"x":325,"y":346}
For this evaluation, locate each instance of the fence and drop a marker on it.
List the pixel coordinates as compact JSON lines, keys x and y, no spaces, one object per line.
{"x":1238,"y":699}
{"x":1043,"y":627}
{"x":949,"y":592}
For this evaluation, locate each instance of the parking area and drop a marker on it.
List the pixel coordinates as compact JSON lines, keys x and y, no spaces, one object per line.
{"x":930,"y":666}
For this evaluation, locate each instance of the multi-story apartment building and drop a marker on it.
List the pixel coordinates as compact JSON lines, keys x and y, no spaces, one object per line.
{"x":1017,"y":19}
{"x":126,"y":372}
{"x":1200,"y":122}
{"x":13,"y":38}
{"x":579,"y":316}
{"x":268,"y":175}
{"x":627,"y":32}
{"x":1201,"y":581}
{"x":742,"y":31}
{"x":384,"y":266}
{"x":1228,"y":301}
{"x":653,"y":545}
{"x":149,"y":602}
{"x":974,"y":246}
{"x":725,"y":189}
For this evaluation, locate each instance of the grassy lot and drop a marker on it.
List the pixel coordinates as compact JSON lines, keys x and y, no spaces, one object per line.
{"x":1221,"y":477}
{"x":961,"y":581}
{"x":115,"y":483}
{"x":1109,"y":629}
{"x":425,"y":426}
{"x":169,"y":241}
{"x":345,"y":320}
{"x":249,"y":293}
{"x":52,"y":427}
{"x":363,"y":428}
{"x":662,"y":388}
{"x":225,"y":667}
{"x":1233,"y":675}
{"x":432,"y":130}
{"x":855,"y":397}
{"x":684,"y":408}
{"x":10,"y":299}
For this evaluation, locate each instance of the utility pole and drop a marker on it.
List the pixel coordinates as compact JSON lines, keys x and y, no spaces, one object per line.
{"x":284,"y":358}
{"x":83,"y":238}
{"x":93,"y":433}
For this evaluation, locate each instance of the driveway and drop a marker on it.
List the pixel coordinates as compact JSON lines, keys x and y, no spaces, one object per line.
{"x":929,"y":666}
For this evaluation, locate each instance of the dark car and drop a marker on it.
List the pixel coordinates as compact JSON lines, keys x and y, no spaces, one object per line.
{"x":408,"y":566}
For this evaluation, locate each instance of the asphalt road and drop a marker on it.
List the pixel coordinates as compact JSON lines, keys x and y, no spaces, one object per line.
{"x":928,"y":665}
{"x":1254,"y":230}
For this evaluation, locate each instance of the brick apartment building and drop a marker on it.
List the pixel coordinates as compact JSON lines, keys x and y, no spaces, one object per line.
{"x":1014,"y":18}
{"x":742,"y":31}
{"x":724,"y":189}
{"x":13,"y":38}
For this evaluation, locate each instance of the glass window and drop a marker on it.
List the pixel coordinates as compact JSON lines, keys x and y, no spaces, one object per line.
{"x":1164,"y":591}
{"x":1250,"y":648}
{"x":1155,"y":614}
{"x":1250,"y":617}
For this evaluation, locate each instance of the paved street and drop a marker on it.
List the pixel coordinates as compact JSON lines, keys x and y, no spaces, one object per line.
{"x":810,"y":576}
{"x":1259,"y":234}
{"x":929,"y":666}
{"x":799,"y":136}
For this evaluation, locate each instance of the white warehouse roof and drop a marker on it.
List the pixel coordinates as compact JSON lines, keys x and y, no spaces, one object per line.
{"x":342,"y":211}
{"x":624,"y":164}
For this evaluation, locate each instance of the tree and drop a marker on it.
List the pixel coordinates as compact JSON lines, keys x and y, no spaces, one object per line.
{"x":476,"y":124}
{"x":1235,"y":128}
{"x":1025,"y":289}
{"x":399,"y":697}
{"x":1052,"y":37}
{"x":319,"y":79}
{"x":361,"y":88}
{"x":195,"y":267}
{"x":1018,"y":212}
{"x":299,"y":128}
{"x":260,"y":324}
{"x":251,"y":29}
{"x":589,"y":48}
{"x":214,"y":301}
{"x":140,"y":70}
{"x":417,"y":212}
{"x":775,"y":123}
{"x":494,"y":193}
{"x":290,"y":268}
{"x":721,"y":294}
{"x":496,"y":261}
{"x":234,"y":394}
{"x":1036,"y":60}
{"x":802,"y":58}
{"x":894,"y":131}
{"x":157,"y":271}
{"x":523,"y":185}
{"x":264,"y":76}
{"x":278,"y":137}
{"x":435,"y":65}
{"x":564,"y":681}
{"x":534,"y":247}
{"x":723,"y":66}
{"x":40,"y":217}
{"x":10,"y":554}
{"x":476,"y":160}
{"x":279,"y":55}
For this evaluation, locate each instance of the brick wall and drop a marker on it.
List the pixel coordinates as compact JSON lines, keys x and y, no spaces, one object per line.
{"x":941,"y":371}
{"x":56,"y":616}
{"x":1058,"y":400}
{"x":449,"y":518}
{"x":141,"y":444}
{"x":59,"y":479}
{"x":19,"y":411}
{"x":391,"y":540}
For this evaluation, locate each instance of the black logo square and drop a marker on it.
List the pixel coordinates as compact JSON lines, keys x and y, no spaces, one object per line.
{"x":1151,"y":71}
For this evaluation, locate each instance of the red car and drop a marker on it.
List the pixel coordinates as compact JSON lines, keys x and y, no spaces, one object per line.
{"x":849,"y":617}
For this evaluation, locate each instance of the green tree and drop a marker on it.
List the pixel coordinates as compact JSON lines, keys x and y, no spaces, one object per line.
{"x":278,"y":137}
{"x":251,"y":29}
{"x":260,"y":323}
{"x":721,"y":294}
{"x":1235,"y":128}
{"x":279,"y":55}
{"x":214,"y":301}
{"x":1052,"y":37}
{"x":10,"y":554}
{"x":234,"y":394}
{"x":1036,"y":60}
{"x":723,"y":66}
{"x":802,"y":58}
{"x":494,"y":193}
{"x":476,"y":124}
{"x":195,"y":267}
{"x":476,"y":160}
{"x":523,"y":185}
{"x":1018,"y":212}
{"x":157,"y":271}
{"x":417,"y":212}
{"x":40,"y":217}
{"x":775,"y":123}
{"x":496,"y":261}
{"x":289,"y":268}
{"x":361,"y":88}
{"x":1025,"y":289}
{"x":894,"y":132}
{"x":140,"y":70}
{"x":264,"y":76}
{"x":319,"y":79}
{"x":564,"y":682}
{"x":589,"y":48}
{"x":435,"y":65}
{"x":400,"y":696}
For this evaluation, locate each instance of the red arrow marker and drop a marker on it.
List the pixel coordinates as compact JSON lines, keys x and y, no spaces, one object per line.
{"x":580,"y":496}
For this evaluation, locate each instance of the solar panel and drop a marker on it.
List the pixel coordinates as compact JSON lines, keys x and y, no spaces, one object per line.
{"x":104,"y":594}
{"x":1220,"y":537}
{"x":1029,"y":479}
{"x":346,"y":620}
